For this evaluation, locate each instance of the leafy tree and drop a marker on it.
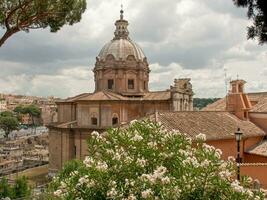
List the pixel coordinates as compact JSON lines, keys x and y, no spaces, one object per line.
{"x":23,"y":15}
{"x":8,"y":122}
{"x":19,"y":109}
{"x":257,"y":11}
{"x":200,"y":103}
{"x":6,"y":114}
{"x":5,"y":189}
{"x":145,"y":161}
{"x":34,"y":112}
{"x":20,"y":189}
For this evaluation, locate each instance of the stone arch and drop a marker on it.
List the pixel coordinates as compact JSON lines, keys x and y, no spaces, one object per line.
{"x":130,"y":58}
{"x":110,"y":57}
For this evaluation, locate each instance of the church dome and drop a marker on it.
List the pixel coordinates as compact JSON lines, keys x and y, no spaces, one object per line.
{"x":121,"y":48}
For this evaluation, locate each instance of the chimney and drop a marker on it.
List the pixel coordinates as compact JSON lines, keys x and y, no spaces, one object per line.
{"x":237,"y":102}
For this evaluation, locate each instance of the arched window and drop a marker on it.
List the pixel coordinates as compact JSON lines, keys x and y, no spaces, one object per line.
{"x":115,"y":119}
{"x":131,"y":84}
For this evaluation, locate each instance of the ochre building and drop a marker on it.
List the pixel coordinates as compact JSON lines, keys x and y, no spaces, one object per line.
{"x":121,"y":95}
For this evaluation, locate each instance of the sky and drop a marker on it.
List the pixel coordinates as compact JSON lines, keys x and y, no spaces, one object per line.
{"x":202,"y":40}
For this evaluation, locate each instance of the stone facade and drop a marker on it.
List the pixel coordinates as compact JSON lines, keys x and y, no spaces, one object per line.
{"x":121,"y":95}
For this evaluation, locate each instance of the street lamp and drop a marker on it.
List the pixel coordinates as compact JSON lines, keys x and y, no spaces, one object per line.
{"x":238,"y":137}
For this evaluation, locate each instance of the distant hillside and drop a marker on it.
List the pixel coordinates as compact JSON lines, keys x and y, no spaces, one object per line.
{"x":200,"y":103}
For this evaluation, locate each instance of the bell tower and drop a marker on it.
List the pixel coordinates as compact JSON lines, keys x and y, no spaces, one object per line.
{"x":237,"y":101}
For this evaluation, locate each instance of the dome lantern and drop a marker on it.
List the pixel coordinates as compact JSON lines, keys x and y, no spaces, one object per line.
{"x":121,"y":27}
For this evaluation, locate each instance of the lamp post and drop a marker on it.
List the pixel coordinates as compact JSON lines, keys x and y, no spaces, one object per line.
{"x":238,"y":137}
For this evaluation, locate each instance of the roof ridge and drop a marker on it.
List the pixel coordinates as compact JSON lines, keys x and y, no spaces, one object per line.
{"x":113,"y":94}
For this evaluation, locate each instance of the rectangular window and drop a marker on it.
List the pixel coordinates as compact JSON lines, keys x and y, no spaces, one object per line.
{"x":144,"y":85}
{"x":131,"y":84}
{"x":110,"y":84}
{"x":94,"y":121}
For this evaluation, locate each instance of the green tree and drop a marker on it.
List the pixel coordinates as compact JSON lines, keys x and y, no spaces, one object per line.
{"x":5,"y":189}
{"x":34,"y":112}
{"x":23,"y":15}
{"x":20,"y":189}
{"x":257,"y":11}
{"x":8,"y":123}
{"x":6,"y":114}
{"x":19,"y":109}
{"x":200,"y":103}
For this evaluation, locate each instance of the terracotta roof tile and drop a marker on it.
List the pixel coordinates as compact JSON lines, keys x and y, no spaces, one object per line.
{"x":259,"y":149}
{"x":216,"y":125}
{"x":160,"y":95}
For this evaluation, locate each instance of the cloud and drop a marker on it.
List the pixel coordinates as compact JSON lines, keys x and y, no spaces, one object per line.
{"x":181,"y":38}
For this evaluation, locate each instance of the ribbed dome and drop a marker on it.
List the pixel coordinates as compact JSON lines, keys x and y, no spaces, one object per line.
{"x":121,"y":49}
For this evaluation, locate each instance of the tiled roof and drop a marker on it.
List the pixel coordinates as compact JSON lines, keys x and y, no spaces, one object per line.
{"x":261,"y":106}
{"x":260,"y":98}
{"x":112,"y":96}
{"x":160,"y":95}
{"x":259,"y":149}
{"x":216,"y":125}
{"x":219,"y":105}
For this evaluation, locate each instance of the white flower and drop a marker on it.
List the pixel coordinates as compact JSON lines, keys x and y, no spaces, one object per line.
{"x":58,"y":193}
{"x":88,"y":161}
{"x":95,"y":134}
{"x":237,"y":187}
{"x":205,"y":163}
{"x":231,"y":159}
{"x":101,"y":166}
{"x":133,"y":121}
{"x":147,"y":193}
{"x":137,"y":138}
{"x":131,"y":197}
{"x":152,"y":145}
{"x":112,"y":193}
{"x":141,"y":162}
{"x":208,"y":148}
{"x":201,"y":137}
{"x":165,"y":180}
{"x":225,"y":174}
{"x":218,"y":153}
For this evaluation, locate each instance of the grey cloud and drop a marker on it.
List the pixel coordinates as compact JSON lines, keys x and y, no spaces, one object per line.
{"x":211,"y":34}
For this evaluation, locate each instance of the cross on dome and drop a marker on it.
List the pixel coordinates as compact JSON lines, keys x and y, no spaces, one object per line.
{"x":122,"y":12}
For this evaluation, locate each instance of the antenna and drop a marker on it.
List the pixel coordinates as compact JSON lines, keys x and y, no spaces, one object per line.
{"x":226,"y":88}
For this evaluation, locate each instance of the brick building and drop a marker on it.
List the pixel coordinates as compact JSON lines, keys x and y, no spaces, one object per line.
{"x":121,"y":95}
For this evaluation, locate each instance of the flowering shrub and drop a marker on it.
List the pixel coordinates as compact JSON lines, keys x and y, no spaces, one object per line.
{"x":144,"y":161}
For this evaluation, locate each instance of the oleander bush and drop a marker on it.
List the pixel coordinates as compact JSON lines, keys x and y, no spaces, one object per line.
{"x":145,"y":161}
